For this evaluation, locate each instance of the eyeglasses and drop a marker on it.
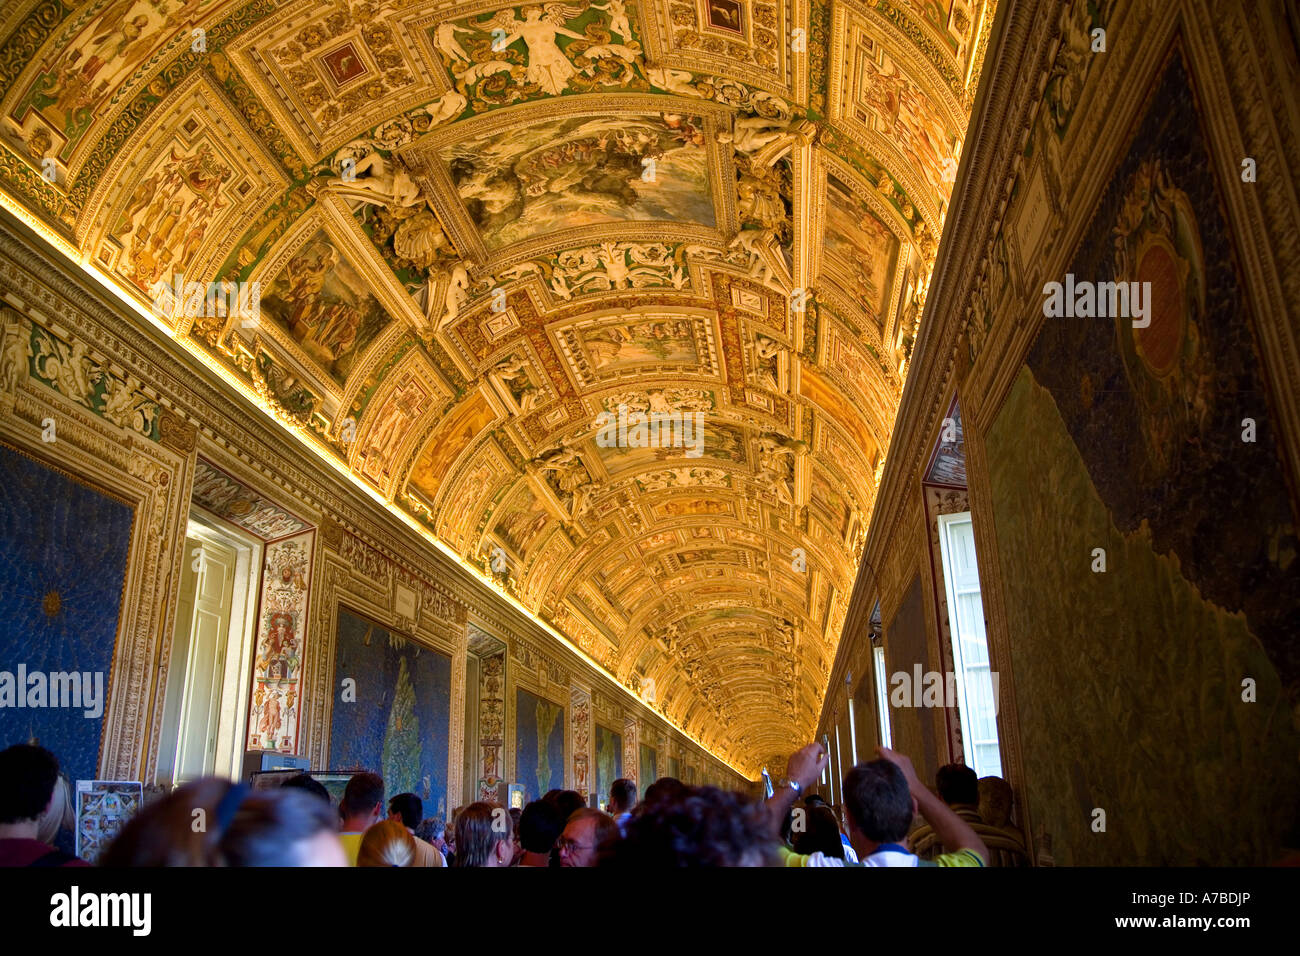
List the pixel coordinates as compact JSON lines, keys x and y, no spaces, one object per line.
{"x":563,"y":844}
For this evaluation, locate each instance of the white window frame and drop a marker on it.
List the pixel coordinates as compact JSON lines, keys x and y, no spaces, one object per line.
{"x":853,"y":733}
{"x":962,"y":671}
{"x":882,"y":696}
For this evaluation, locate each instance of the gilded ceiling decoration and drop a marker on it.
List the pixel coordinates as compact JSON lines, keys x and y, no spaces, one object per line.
{"x":476,"y":246}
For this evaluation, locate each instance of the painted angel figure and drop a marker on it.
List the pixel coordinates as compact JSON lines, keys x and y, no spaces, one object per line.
{"x":548,"y":67}
{"x":618,"y":22}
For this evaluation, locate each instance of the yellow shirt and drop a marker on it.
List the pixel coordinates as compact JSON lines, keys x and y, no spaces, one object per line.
{"x":351,"y":845}
{"x":960,"y":858}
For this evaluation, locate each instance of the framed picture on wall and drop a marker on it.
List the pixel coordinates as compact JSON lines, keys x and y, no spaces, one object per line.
{"x":103,"y":807}
{"x":516,"y":800}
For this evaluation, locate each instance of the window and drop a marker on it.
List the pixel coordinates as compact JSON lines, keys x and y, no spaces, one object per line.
{"x":882,"y":696}
{"x":976,"y":684}
{"x":839,"y":764}
{"x":853,"y":733}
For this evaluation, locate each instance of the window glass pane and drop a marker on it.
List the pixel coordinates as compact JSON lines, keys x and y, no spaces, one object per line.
{"x":976,"y":702}
{"x":882,"y":697}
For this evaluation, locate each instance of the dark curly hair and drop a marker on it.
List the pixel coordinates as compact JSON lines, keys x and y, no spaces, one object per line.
{"x":697,"y":826}
{"x":28,"y":774}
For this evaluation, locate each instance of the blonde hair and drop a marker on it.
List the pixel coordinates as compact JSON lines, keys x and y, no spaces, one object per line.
{"x":387,"y":843}
{"x":59,"y":814}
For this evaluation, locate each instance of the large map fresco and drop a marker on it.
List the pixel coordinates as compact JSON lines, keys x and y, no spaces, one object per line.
{"x":539,"y":744}
{"x":399,"y":724}
{"x":609,"y":759}
{"x":62,"y":572}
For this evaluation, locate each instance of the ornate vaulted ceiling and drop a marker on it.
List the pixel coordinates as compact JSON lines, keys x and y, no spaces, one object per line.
{"x":475,"y":227}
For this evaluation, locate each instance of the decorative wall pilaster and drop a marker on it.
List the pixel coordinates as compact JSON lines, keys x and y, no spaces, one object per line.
{"x":581,"y":733}
{"x":632,"y":752}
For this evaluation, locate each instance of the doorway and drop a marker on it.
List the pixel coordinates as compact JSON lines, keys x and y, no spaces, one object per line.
{"x":204,"y":715}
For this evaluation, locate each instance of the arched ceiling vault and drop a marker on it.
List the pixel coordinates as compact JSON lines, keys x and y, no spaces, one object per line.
{"x":475,"y":229}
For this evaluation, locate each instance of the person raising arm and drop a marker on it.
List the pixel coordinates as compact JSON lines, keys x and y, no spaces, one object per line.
{"x":954,"y":833}
{"x":802,"y":771}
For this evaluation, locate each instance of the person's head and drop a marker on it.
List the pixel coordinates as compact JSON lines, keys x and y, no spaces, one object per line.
{"x":622,"y":795}
{"x":879,"y":805}
{"x":309,"y":784}
{"x":242,"y":827}
{"x":408,"y":808}
{"x":995,"y":801}
{"x":387,"y":843}
{"x":362,"y":805}
{"x":818,"y":832}
{"x":665,"y":788}
{"x":540,"y":825}
{"x":483,"y":836}
{"x":702,"y":826}
{"x":586,"y":834}
{"x":27,"y":777}
{"x":814,"y":800}
{"x":430,"y":829}
{"x":566,"y":802}
{"x":957,"y":783}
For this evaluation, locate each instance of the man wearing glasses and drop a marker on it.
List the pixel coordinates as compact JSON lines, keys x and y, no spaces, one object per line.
{"x":585,"y":833}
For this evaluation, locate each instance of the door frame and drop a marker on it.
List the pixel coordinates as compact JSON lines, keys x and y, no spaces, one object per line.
{"x":238,"y":657}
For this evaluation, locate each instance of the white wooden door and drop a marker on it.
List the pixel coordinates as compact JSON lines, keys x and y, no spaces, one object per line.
{"x":210,"y":578}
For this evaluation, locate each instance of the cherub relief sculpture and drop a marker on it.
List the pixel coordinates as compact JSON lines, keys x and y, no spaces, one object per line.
{"x":457,"y":294}
{"x":767,"y":358}
{"x":15,"y":349}
{"x":756,"y":242}
{"x":663,"y":400}
{"x":750,"y":134}
{"x":679,"y":82}
{"x":365,"y":175}
{"x":775,"y":456}
{"x":618,"y":21}
{"x":611,"y":265}
{"x":571,"y":476}
{"x":513,"y":374}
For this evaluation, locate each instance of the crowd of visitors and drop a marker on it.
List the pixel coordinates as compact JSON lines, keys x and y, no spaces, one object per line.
{"x":214,"y":822}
